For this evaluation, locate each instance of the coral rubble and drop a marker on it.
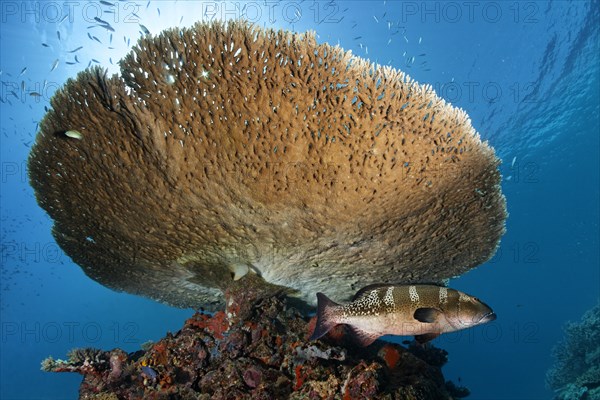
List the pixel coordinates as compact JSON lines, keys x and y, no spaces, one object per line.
{"x":576,"y":372}
{"x":262,"y":353}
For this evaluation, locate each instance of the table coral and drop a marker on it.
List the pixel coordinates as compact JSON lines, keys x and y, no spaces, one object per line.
{"x":224,"y":149}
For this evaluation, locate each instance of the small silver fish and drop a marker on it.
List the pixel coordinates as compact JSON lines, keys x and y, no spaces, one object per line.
{"x":74,"y":134}
{"x":425,"y":311}
{"x":144,"y":29}
{"x":77,"y":49}
{"x":23,"y":71}
{"x":108,"y":27}
{"x":54,"y":65}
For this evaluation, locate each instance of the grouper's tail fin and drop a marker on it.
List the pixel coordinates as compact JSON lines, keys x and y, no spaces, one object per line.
{"x":325,"y":316}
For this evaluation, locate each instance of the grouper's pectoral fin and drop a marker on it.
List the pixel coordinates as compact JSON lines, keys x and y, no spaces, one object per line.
{"x":426,"y":315}
{"x":363,"y":338}
{"x":421,"y":339}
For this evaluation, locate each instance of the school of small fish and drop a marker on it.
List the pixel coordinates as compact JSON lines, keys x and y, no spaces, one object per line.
{"x":101,"y":31}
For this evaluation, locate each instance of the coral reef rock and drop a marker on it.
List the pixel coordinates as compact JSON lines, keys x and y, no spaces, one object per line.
{"x":224,"y":150}
{"x":576,"y":372}
{"x":265,"y":355}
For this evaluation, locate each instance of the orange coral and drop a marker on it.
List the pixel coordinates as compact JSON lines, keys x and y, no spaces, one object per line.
{"x":299,"y":377}
{"x":390,"y":355}
{"x":216,"y":325}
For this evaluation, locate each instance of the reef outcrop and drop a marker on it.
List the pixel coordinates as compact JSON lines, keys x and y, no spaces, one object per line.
{"x":260,"y":352}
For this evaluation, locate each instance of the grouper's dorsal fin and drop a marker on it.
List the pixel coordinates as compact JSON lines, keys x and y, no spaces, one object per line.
{"x":432,"y":283}
{"x":367,"y":289}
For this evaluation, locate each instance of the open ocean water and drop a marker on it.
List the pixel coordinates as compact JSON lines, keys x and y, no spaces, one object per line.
{"x":526,"y":72}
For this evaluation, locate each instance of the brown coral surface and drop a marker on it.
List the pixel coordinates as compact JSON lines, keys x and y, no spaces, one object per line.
{"x":223,"y":150}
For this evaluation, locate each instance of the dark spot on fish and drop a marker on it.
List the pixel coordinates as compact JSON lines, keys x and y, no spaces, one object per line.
{"x":426,"y":315}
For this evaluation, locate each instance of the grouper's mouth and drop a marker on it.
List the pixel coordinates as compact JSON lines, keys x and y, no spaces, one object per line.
{"x":491,"y":316}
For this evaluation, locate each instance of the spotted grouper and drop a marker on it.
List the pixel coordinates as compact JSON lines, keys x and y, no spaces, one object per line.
{"x":425,"y":311}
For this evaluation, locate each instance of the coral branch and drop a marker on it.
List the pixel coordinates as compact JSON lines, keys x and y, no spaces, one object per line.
{"x":576,"y":372}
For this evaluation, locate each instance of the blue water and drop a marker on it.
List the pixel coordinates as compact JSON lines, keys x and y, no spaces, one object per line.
{"x":526,"y":72}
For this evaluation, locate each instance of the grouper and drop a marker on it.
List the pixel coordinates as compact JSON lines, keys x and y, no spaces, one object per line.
{"x":425,"y":311}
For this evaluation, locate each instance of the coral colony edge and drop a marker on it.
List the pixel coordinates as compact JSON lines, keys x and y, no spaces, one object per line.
{"x":243,"y":171}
